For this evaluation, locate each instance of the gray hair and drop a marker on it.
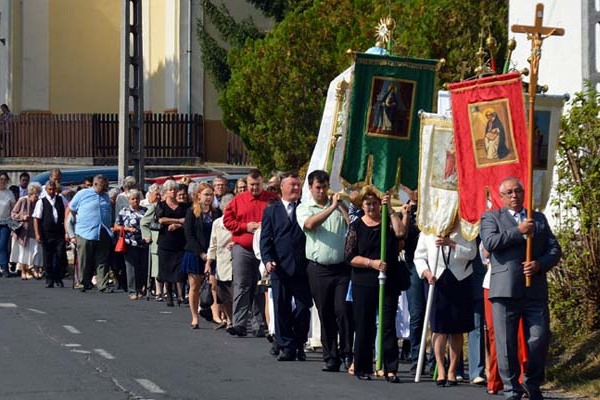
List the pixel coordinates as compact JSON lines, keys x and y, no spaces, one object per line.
{"x":134,"y":193}
{"x":225,"y":200}
{"x":51,"y":183}
{"x":34,"y":187}
{"x":510,"y":179}
{"x":155,"y":187}
{"x":113,"y":193}
{"x":193,"y":188}
{"x":168,"y":185}
{"x":129,"y":182}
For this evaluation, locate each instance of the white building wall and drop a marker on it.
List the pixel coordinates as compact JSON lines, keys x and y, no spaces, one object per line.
{"x":561,"y":65}
{"x":5,"y":52}
{"x":35,"y":72}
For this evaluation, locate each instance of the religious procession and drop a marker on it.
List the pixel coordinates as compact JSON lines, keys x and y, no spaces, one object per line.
{"x":409,"y":231}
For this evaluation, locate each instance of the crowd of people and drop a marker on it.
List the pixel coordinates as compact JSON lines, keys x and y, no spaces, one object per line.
{"x":270,"y":257}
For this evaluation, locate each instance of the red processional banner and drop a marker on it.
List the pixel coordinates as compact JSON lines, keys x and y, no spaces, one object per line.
{"x":490,"y":134}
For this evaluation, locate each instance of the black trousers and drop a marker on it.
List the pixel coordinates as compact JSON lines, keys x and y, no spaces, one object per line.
{"x":55,"y":258}
{"x":291,"y":323}
{"x":366,"y":299}
{"x":329,"y":286}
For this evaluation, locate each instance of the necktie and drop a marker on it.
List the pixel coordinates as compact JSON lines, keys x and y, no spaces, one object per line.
{"x":520,"y":216}
{"x":292,"y":211}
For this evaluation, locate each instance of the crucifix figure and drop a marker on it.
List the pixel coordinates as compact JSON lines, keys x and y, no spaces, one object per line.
{"x":536,"y":33}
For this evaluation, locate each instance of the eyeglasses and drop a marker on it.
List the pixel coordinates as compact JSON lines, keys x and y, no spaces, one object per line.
{"x":510,"y":192}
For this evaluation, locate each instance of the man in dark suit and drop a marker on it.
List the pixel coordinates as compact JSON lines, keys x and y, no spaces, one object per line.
{"x":504,"y":233}
{"x":282,"y":249}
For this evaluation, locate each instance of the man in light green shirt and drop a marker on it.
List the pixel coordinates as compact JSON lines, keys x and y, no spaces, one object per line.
{"x":325,"y":223}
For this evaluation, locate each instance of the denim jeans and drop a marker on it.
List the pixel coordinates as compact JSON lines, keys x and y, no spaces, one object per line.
{"x":4,"y":240}
{"x":476,"y":344}
{"x":416,"y":308}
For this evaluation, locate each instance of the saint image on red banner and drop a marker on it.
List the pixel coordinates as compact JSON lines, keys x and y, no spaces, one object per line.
{"x":492,"y":133}
{"x":491,"y":142}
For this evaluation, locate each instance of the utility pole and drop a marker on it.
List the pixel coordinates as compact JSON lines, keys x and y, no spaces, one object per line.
{"x":131,"y":121}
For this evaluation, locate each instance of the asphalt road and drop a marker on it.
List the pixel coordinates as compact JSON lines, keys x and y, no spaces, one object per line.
{"x":62,"y":344}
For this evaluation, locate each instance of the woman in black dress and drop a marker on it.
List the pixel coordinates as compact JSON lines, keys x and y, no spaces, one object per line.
{"x":452,"y":308}
{"x":171,"y":239}
{"x":197,"y":228}
{"x":363,"y":254}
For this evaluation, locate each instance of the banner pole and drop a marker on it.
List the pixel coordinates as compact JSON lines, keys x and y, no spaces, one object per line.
{"x":426,"y":320}
{"x":534,"y":33}
{"x":382,"y":279}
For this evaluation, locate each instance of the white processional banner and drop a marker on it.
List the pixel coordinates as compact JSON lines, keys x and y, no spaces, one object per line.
{"x":330,"y":144}
{"x":548,"y":113}
{"x":438,"y":189}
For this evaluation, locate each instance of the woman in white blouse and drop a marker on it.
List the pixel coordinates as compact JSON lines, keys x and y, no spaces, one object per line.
{"x":452,"y":308}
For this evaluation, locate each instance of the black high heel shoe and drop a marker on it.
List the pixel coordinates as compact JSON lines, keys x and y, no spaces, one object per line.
{"x":195,"y":326}
{"x":170,"y":302}
{"x":441,"y":382}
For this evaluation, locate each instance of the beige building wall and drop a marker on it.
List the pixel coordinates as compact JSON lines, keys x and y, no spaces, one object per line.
{"x":156,"y":56}
{"x":84,"y":58}
{"x":64,"y":57}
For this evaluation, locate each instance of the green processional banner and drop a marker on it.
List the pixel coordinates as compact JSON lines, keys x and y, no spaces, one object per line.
{"x":382,"y":145}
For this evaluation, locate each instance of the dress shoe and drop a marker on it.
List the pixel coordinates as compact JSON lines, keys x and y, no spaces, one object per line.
{"x":363,"y":377}
{"x":452,"y":382}
{"x":236,"y":331}
{"x":274,"y":350}
{"x":270,"y":338}
{"x":286,"y":355}
{"x":392,"y":378}
{"x":50,"y":284}
{"x":331,"y":368}
{"x":533,"y":394}
{"x":301,"y":355}
{"x":60,"y":283}
{"x":231,"y":330}
{"x":441,"y":382}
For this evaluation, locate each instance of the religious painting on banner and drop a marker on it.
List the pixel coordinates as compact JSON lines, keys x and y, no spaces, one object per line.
{"x":491,"y":142}
{"x":438,"y":178}
{"x":389,"y":110}
{"x":383,"y":132}
{"x":548,"y":113}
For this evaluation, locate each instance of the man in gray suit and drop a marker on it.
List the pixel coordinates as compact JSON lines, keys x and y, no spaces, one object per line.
{"x":503,"y":233}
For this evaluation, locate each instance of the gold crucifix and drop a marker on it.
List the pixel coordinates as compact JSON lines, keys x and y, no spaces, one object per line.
{"x":534,"y":33}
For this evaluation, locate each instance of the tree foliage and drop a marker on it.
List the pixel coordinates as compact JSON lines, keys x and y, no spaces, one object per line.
{"x":275,"y":97}
{"x":575,"y":285}
{"x":232,"y":32}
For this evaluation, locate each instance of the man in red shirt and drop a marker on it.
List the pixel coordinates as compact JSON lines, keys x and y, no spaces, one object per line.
{"x":242,"y":218}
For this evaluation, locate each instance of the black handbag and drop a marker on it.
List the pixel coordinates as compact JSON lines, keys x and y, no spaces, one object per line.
{"x":206,"y":297}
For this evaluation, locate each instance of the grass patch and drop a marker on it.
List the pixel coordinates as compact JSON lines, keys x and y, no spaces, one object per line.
{"x":576,"y":368}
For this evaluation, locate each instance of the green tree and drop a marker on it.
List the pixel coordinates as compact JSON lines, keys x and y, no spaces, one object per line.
{"x":575,"y":284}
{"x":275,"y":97}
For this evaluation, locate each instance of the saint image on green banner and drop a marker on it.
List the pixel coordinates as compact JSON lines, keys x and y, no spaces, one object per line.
{"x":383,"y":132}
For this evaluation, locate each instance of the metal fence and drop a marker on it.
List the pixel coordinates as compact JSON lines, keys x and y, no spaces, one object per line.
{"x":96,"y":135}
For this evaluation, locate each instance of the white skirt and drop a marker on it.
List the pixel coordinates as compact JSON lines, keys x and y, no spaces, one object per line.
{"x":31,"y":254}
